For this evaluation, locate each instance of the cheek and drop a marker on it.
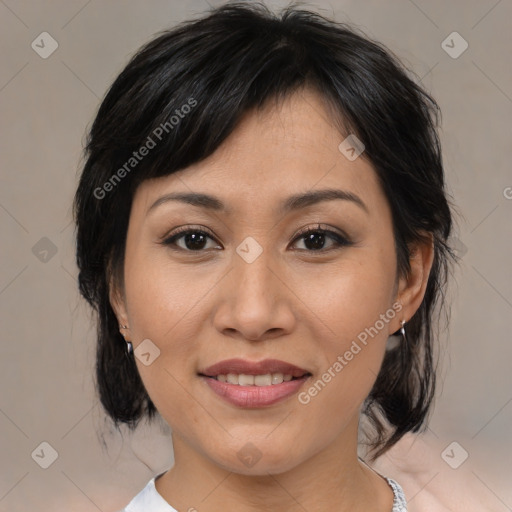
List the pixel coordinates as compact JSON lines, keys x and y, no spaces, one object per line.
{"x":163,"y":296}
{"x":162,"y":302}
{"x":353,"y":306}
{"x":161,"y":307}
{"x":348,"y":297}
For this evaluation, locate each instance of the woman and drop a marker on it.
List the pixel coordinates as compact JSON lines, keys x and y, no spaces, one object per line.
{"x":262,"y":227}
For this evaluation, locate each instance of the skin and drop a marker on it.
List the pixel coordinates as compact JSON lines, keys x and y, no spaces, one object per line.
{"x":292,"y":303}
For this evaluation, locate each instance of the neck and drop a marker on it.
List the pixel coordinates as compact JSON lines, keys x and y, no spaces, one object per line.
{"x":332,"y":480}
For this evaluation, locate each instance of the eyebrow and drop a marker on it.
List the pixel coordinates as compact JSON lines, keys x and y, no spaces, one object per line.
{"x":292,"y":203}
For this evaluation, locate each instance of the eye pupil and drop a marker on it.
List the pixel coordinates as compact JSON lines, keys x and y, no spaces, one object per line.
{"x":195,"y":241}
{"x":317,"y":239}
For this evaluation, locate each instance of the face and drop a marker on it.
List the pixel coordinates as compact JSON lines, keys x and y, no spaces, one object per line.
{"x":247,"y":282}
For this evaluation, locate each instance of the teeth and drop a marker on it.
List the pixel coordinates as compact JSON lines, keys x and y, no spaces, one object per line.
{"x":254,"y":380}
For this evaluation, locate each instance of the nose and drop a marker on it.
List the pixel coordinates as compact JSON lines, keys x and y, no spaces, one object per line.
{"x":255,"y":301}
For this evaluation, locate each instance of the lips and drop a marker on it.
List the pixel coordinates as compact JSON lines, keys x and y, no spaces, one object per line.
{"x":274,"y":381}
{"x":242,"y":366}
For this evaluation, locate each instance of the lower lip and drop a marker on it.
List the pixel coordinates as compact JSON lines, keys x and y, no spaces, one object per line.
{"x":254,"y":396}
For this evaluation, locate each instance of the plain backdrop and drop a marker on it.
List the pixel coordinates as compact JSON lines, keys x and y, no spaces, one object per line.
{"x":48,"y":336}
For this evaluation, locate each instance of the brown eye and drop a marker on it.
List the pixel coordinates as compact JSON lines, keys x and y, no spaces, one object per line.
{"x":315,"y":238}
{"x":193,"y":240}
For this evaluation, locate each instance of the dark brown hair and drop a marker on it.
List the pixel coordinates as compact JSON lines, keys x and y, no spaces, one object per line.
{"x":234,"y":59}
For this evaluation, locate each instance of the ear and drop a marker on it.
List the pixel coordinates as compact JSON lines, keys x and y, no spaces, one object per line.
{"x":118,"y":303}
{"x":411,"y":288}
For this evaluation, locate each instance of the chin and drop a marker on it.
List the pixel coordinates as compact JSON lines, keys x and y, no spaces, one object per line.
{"x":251,"y":461}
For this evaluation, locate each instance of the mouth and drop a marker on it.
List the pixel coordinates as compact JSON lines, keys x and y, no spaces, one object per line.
{"x":259,"y":373}
{"x":243,"y":379}
{"x":254,"y":384}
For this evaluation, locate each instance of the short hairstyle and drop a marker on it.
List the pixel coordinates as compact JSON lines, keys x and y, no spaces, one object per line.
{"x":183,"y":93}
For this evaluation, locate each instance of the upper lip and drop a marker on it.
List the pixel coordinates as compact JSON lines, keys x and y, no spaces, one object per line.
{"x":265,"y":366}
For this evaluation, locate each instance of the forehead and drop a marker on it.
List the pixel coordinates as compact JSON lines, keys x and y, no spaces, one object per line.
{"x":296,"y":129}
{"x":285,"y":148}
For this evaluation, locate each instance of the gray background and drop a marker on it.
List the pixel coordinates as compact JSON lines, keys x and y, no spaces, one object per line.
{"x":46,"y":368}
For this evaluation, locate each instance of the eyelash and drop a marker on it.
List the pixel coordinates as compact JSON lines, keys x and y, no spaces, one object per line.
{"x":339,"y":240}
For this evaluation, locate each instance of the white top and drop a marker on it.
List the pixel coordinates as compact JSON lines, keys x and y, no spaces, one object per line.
{"x":149,"y":500}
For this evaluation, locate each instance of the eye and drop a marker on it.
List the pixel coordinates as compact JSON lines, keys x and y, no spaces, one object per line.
{"x":194,"y":239}
{"x":315,"y":238}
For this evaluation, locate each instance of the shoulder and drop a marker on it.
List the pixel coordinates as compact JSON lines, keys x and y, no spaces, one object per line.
{"x":429,"y":483}
{"x":148,"y":500}
{"x":399,"y":501}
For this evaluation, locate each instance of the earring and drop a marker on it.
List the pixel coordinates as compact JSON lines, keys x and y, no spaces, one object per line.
{"x":129,"y":346}
{"x":402,"y":331}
